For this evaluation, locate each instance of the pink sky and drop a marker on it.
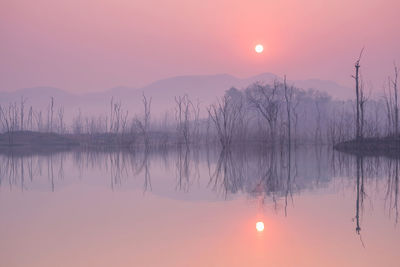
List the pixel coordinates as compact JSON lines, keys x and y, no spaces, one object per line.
{"x":92,"y":45}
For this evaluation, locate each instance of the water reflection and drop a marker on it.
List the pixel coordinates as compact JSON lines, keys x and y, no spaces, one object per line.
{"x":269,"y":175}
{"x":175,"y":202}
{"x":360,"y":193}
{"x":260,"y":226}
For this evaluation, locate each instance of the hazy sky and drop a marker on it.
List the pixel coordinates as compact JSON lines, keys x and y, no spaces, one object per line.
{"x":91,"y":45}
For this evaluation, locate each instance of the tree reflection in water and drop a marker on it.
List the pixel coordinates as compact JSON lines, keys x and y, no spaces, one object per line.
{"x":273,"y":175}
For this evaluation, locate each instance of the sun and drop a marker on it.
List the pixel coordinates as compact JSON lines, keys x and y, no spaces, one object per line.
{"x":259,"y":48}
{"x":260,"y":226}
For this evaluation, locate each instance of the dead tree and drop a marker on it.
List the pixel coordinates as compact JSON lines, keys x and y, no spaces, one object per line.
{"x":320,"y":102}
{"x":183,"y":114}
{"x":22,"y":108}
{"x":288,"y":100}
{"x":196,"y":121}
{"x":9,"y":119}
{"x":50,"y":115}
{"x":295,"y":112}
{"x":392,"y":106}
{"x":117,"y":117}
{"x":39,"y":121}
{"x":224,"y":115}
{"x":265,"y":99}
{"x":124,"y":122}
{"x":77,"y":124}
{"x":61,"y":126}
{"x":238,"y":98}
{"x":357,"y":80}
{"x":388,"y":104}
{"x":30,"y":119}
{"x":144,"y":123}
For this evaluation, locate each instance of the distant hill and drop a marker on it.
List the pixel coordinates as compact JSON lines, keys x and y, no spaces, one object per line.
{"x":205,"y":88}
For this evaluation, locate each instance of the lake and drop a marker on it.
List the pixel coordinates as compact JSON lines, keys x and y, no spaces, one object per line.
{"x":199,"y":207}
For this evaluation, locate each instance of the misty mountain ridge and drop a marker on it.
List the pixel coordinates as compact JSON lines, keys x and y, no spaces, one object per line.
{"x":204,"y":88}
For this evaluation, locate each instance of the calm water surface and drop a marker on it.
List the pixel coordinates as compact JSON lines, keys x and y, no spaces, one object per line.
{"x":198,"y":208}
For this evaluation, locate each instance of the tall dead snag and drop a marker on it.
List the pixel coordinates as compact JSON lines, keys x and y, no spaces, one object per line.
{"x":357,"y":80}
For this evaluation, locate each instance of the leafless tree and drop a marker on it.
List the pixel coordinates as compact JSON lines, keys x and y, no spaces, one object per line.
{"x":144,"y":122}
{"x":266,"y":100}
{"x":391,"y":102}
{"x":30,"y":119}
{"x":183,"y":115}
{"x":50,"y":115}
{"x":77,"y":124}
{"x":39,"y":120}
{"x":9,"y":119}
{"x":22,"y":109}
{"x":196,"y":121}
{"x":61,"y":124}
{"x":224,"y":115}
{"x":289,"y":91}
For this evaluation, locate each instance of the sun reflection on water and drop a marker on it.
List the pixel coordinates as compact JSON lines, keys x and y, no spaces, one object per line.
{"x":260,"y":226}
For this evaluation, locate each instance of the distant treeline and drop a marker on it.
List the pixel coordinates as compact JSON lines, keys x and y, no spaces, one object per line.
{"x":273,"y":114}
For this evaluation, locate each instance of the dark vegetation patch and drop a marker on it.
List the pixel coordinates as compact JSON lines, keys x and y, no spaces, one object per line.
{"x":35,"y":139}
{"x":387,"y":146}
